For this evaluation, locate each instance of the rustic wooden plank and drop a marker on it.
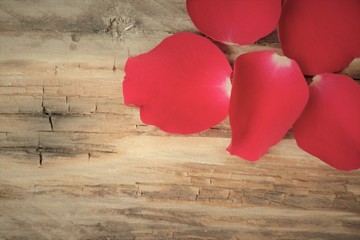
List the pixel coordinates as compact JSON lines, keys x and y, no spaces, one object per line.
{"x":127,"y":188}
{"x":78,"y":164}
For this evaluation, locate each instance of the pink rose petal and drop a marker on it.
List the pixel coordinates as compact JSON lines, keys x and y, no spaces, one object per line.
{"x":268,"y":95}
{"x":329,"y":127}
{"x":235,"y":21}
{"x":321,"y":35}
{"x":181,"y":86}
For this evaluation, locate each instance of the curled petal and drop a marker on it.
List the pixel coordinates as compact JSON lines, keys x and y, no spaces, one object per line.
{"x":181,"y":86}
{"x":329,"y":127}
{"x":235,"y":21}
{"x":268,"y":95}
{"x":321,"y":35}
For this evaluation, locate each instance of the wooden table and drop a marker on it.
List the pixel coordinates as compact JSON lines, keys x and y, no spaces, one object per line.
{"x":78,"y":164}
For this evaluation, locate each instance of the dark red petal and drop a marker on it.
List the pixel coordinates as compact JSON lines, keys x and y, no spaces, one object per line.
{"x":321,"y":35}
{"x":181,"y":86}
{"x":329,"y":127}
{"x":268,"y":95}
{"x":235,"y":21}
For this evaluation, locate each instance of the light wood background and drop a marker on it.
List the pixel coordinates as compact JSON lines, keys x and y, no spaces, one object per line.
{"x":78,"y":164}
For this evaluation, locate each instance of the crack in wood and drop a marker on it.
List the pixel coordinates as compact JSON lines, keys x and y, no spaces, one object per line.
{"x":48,"y":114}
{"x":39,"y":150}
{"x":40,"y":159}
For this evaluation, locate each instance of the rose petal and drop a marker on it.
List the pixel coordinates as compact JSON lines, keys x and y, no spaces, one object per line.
{"x":181,"y":86}
{"x":322,"y":35}
{"x":235,"y":21}
{"x":268,"y":95}
{"x":329,"y":127}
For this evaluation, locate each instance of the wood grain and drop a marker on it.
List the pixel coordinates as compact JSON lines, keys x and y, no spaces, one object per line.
{"x":78,"y":164}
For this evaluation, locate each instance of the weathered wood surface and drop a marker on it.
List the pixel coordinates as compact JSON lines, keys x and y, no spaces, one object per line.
{"x":105,"y":175}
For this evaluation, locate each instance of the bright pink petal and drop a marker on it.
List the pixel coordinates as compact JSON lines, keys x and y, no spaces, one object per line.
{"x":235,"y":21}
{"x":329,"y":127}
{"x":181,"y":86}
{"x":268,"y":95}
{"x":321,"y":35}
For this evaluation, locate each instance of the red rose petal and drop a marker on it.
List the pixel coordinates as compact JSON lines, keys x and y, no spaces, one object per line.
{"x":181,"y":86}
{"x":329,"y":127}
{"x":321,"y":35}
{"x":268,"y":95}
{"x":235,"y":21}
